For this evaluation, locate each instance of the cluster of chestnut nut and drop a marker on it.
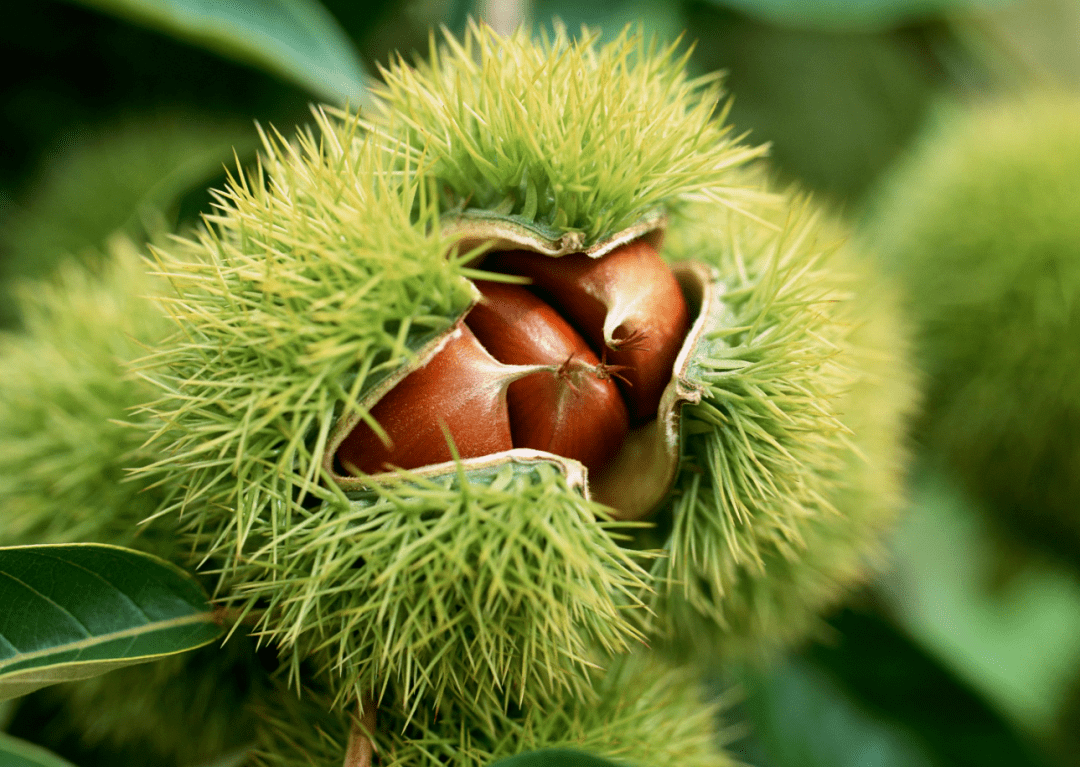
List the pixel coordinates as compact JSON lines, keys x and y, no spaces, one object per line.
{"x":568,"y":364}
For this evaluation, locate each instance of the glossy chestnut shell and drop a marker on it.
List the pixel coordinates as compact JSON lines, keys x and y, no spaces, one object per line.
{"x":583,"y":366}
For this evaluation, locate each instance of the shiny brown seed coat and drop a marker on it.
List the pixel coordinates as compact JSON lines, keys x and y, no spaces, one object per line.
{"x":517,"y":373}
{"x":627,"y":303}
{"x":574,"y":411}
{"x":462,"y":387}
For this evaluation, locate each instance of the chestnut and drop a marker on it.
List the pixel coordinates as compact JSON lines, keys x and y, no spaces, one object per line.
{"x":575,"y":411}
{"x":627,"y":303}
{"x":462,"y":389}
{"x":573,"y":364}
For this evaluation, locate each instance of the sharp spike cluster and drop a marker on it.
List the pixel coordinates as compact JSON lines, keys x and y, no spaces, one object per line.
{"x":788,"y":484}
{"x":639,"y":706}
{"x":487,"y":592}
{"x":618,"y":129}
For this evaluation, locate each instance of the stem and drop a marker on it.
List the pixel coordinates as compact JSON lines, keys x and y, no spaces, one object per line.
{"x":229,"y":616}
{"x":361,"y":747}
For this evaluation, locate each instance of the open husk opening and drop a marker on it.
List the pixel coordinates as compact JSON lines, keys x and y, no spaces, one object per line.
{"x":635,"y":482}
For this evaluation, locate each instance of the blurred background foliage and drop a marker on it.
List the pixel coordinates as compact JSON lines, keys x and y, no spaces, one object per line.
{"x":117,"y":115}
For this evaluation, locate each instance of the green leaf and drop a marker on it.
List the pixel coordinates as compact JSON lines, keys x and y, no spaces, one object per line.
{"x":802,"y":718}
{"x":554,"y":757}
{"x":887,"y":672}
{"x":1016,"y":642}
{"x":19,"y":753}
{"x":838,"y":106}
{"x":76,"y":611}
{"x":296,"y":39}
{"x":870,"y":696}
{"x":851,"y":14}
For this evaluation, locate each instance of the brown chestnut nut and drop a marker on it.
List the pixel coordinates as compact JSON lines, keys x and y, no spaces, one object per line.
{"x":627,"y":303}
{"x":462,"y":388}
{"x":573,"y":411}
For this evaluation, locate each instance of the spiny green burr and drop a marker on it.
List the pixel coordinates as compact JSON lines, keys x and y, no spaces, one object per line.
{"x":980,"y":224}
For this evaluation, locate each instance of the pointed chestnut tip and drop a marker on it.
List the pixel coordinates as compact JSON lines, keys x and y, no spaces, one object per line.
{"x":575,"y":412}
{"x":628,"y":305}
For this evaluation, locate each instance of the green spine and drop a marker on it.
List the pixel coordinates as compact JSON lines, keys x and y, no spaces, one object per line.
{"x":793,"y":460}
{"x":326,"y":268}
{"x":783,"y":503}
{"x":321,"y":273}
{"x":66,"y":409}
{"x":570,"y":134}
{"x":980,"y":223}
{"x":641,"y":712}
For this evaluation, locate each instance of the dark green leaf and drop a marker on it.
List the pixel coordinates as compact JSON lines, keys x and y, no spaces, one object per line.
{"x":19,"y":753}
{"x":554,"y":757}
{"x":870,"y":697}
{"x":848,"y":14}
{"x":802,"y":718}
{"x":890,"y":674}
{"x":837,"y":107}
{"x":297,"y":39}
{"x":76,"y":611}
{"x":974,"y":598}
